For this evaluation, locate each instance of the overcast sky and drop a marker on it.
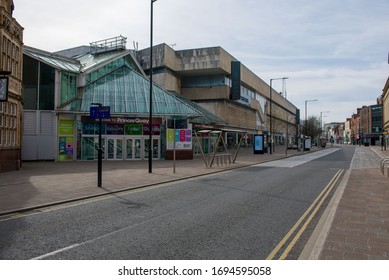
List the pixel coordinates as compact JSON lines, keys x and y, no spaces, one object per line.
{"x":335,"y":51}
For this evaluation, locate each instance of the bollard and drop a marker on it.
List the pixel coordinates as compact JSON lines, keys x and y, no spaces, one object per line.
{"x":382,"y":166}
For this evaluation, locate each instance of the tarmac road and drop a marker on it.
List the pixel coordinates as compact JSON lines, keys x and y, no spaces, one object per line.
{"x":237,"y":214}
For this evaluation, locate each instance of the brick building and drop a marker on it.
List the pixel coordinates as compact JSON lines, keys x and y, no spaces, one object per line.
{"x":11,"y":106}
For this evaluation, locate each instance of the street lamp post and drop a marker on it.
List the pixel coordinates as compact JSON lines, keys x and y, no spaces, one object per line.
{"x":150,"y":148}
{"x":99,"y":149}
{"x":271,"y":113}
{"x":306,"y":115}
{"x":321,"y":122}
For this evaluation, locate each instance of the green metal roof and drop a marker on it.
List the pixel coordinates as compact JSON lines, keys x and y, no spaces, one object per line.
{"x":127,"y":91}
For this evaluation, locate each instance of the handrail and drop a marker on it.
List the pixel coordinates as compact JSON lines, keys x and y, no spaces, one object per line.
{"x":383,"y":162}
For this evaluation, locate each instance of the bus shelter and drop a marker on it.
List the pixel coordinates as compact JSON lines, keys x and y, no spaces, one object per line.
{"x":212,"y":145}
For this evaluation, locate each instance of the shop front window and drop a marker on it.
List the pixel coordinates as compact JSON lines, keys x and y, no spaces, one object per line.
{"x":90,"y":146}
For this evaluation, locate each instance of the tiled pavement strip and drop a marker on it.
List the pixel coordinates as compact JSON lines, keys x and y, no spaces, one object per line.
{"x":357,"y":226}
{"x":360,"y":227}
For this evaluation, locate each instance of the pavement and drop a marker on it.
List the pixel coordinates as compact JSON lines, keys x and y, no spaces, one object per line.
{"x":355,"y":225}
{"x":358,"y":228}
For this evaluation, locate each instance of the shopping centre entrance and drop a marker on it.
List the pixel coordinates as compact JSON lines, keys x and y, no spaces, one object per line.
{"x":121,"y":148}
{"x":122,"y":139}
{"x":132,"y":148}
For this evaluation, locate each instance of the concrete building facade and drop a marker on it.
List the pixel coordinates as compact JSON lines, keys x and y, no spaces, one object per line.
{"x":205,"y":76}
{"x":11,"y":108}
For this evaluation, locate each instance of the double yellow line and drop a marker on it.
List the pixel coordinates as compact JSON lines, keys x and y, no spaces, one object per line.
{"x":307,"y":217}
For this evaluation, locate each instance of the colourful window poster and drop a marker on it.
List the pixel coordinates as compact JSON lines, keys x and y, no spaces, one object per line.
{"x":183,"y":139}
{"x":133,"y":129}
{"x":88,"y":128}
{"x":156,"y":129}
{"x":69,"y":148}
{"x":188,"y":137}
{"x":65,"y":148}
{"x":170,"y":135}
{"x":66,"y":127}
{"x":177,"y":136}
{"x":170,"y":139}
{"x":115,"y":129}
{"x":182,"y":135}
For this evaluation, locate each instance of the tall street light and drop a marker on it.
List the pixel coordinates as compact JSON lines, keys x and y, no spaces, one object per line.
{"x":271,"y":113}
{"x":306,"y":115}
{"x":151,"y":92}
{"x":321,"y":122}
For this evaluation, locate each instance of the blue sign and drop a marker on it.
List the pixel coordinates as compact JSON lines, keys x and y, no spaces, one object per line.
{"x":102,"y":112}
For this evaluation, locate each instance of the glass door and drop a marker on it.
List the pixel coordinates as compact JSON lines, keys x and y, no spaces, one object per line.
{"x":129,"y":149}
{"x":138,"y":148}
{"x":155,"y":148}
{"x":114,"y":148}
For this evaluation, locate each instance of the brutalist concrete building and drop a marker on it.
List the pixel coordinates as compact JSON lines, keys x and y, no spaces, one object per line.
{"x":206,"y":76}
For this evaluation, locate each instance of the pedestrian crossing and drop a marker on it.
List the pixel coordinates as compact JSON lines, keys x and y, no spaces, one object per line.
{"x":298,"y":160}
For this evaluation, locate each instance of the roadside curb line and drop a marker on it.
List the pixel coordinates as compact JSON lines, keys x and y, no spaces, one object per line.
{"x":108,"y":192}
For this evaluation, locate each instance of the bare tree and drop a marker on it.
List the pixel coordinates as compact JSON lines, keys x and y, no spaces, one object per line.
{"x":312,"y":127}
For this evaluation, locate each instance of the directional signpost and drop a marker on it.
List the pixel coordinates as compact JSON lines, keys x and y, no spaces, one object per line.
{"x":97,"y":111}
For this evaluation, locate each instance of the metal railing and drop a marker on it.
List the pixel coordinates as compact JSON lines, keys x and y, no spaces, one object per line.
{"x":384,"y":163}
{"x":115,"y":43}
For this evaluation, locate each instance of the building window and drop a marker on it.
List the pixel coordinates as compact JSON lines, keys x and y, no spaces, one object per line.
{"x":39,"y":85}
{"x":30,"y":83}
{"x":46,"y":87}
{"x":8,"y":124}
{"x":68,"y":87}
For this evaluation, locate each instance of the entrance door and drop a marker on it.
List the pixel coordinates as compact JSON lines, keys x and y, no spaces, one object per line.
{"x":115,"y":148}
{"x":129,"y":149}
{"x":155,"y":148}
{"x":134,"y":148}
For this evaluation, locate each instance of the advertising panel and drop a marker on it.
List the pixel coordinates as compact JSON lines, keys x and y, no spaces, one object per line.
{"x":258,"y":144}
{"x":182,"y":136}
{"x":65,"y":140}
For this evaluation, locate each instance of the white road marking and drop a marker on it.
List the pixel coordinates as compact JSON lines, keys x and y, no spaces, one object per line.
{"x":297,"y":160}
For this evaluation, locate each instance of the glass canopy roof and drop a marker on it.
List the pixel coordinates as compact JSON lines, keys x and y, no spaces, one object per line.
{"x":54,"y":60}
{"x":127,"y":91}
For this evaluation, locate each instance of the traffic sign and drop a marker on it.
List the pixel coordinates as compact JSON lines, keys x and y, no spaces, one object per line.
{"x":100,"y":112}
